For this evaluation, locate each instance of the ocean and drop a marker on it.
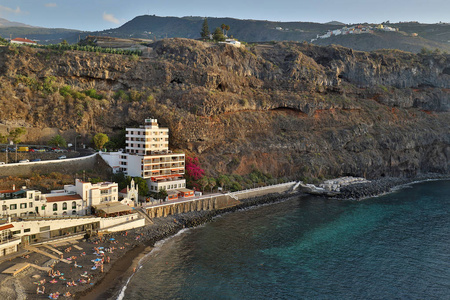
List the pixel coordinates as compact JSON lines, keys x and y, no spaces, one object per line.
{"x":395,"y":246}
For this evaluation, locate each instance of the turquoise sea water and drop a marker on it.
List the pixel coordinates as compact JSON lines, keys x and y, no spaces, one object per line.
{"x":391,"y":247}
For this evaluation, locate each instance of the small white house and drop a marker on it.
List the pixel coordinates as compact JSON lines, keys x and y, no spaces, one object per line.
{"x":63,"y":205}
{"x":23,"y":41}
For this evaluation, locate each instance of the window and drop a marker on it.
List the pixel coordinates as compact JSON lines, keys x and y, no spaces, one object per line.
{"x":65,"y":206}
{"x":16,"y":232}
{"x":27,"y":230}
{"x":13,"y":206}
{"x":55,"y":206}
{"x":74,"y":212}
{"x":4,"y":207}
{"x":45,"y":228}
{"x":31,"y":196}
{"x":30,"y":204}
{"x":23,"y":205}
{"x":74,"y":205}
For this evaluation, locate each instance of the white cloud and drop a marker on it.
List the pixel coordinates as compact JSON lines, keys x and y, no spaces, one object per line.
{"x":50,"y":5}
{"x":8,"y":10}
{"x":110,"y":18}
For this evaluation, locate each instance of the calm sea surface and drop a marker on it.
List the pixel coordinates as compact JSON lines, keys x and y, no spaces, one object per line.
{"x":391,"y":247}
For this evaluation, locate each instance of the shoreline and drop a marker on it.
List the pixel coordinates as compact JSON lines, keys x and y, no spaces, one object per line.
{"x":141,"y":241}
{"x":106,"y":289}
{"x":377,"y":188}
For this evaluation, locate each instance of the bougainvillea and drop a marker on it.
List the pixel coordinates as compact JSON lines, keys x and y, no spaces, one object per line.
{"x":193,"y":170}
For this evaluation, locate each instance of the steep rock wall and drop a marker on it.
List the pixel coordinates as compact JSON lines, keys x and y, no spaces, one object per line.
{"x":287,"y":109}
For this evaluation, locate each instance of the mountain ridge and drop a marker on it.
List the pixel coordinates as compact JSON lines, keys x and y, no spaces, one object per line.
{"x":412,"y":36}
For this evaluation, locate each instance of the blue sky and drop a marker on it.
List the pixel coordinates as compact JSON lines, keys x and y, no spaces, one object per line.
{"x":104,"y":14}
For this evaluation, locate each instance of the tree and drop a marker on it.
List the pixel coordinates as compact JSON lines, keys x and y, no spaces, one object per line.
{"x":223,"y":26}
{"x":223,"y":180}
{"x":161,"y":194}
{"x":205,"y":30}
{"x":100,"y":139}
{"x":15,"y":134}
{"x":203,"y":182}
{"x":212,"y":183}
{"x":3,"y":139}
{"x":227,"y":27}
{"x":57,"y":141}
{"x":218,"y":35}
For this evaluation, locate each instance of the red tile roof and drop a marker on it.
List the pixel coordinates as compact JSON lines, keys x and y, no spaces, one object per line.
{"x":8,"y":191}
{"x":123,"y":191}
{"x":8,"y":226}
{"x":63,"y":198}
{"x":23,"y":40}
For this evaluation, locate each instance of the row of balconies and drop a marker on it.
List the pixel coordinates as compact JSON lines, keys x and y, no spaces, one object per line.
{"x":172,"y":159}
{"x":163,"y":167}
{"x":147,"y":174}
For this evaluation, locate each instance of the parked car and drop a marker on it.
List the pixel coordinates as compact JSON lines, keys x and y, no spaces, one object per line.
{"x":62,"y":157}
{"x":36,"y":159}
{"x":24,"y":161}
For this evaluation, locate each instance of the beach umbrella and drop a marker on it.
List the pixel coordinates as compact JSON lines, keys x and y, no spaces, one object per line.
{"x":112,"y":239}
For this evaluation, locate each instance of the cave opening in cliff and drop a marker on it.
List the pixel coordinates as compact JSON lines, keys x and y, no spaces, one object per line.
{"x":177,"y":81}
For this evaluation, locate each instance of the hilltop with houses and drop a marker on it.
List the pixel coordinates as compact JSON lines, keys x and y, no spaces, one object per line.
{"x":356,"y":29}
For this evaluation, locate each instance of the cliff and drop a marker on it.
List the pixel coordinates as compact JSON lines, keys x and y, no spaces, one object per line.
{"x":287,"y":109}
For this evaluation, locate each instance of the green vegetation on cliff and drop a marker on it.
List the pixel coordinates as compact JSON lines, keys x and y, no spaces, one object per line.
{"x":286,"y":110}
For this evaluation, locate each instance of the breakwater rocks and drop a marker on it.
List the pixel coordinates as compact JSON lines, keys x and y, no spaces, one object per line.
{"x":382,"y":186}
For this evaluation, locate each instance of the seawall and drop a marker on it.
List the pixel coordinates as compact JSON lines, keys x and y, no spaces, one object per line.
{"x":214,"y":202}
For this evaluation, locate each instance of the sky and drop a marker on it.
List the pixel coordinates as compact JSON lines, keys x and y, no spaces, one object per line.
{"x":92,"y":15}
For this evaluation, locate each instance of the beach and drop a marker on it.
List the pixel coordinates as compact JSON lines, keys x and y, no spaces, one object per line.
{"x":120,"y":252}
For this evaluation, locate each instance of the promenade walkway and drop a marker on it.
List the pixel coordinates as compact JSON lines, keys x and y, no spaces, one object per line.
{"x":235,"y":195}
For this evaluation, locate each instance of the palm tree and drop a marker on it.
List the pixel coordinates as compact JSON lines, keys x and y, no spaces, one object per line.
{"x":203,"y":182}
{"x":212,"y":183}
{"x":227,"y":27}
{"x":223,"y":26}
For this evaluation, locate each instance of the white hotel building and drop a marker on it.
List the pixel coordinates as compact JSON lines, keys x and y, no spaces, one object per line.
{"x":148,"y":156}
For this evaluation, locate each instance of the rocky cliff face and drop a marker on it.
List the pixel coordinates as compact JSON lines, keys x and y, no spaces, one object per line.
{"x":287,"y":109}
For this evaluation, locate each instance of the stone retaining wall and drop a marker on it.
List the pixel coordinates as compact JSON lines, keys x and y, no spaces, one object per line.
{"x":67,"y":166}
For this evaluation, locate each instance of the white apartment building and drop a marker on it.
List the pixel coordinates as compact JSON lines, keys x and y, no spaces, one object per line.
{"x":94,"y":194}
{"x":20,"y":202}
{"x":148,"y":156}
{"x":73,"y":200}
